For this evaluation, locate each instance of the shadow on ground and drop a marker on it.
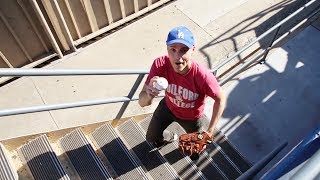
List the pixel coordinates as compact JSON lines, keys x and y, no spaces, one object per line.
{"x":277,"y":101}
{"x":285,"y":8}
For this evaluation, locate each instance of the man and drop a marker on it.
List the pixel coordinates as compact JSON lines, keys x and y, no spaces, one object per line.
{"x":189,"y":84}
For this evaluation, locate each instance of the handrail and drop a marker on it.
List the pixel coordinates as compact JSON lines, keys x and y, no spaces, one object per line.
{"x":66,"y":72}
{"x":141,"y":73}
{"x":15,"y":111}
{"x":250,"y":173}
{"x":278,"y":25}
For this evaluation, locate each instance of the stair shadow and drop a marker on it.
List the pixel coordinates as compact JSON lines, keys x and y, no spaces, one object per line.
{"x":84,"y":163}
{"x":38,"y":163}
{"x":148,"y":156}
{"x":173,"y":156}
{"x":118,"y":160}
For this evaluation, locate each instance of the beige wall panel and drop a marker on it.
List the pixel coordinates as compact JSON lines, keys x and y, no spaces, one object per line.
{"x":100,"y":13}
{"x":37,"y":23}
{"x":80,"y":16}
{"x":142,"y":4}
{"x":3,"y":64}
{"x":56,"y":23}
{"x":49,"y":24}
{"x":20,"y":25}
{"x":10,"y":48}
{"x":129,"y":7}
{"x":115,"y":10}
{"x":68,"y":19}
{"x":154,"y":1}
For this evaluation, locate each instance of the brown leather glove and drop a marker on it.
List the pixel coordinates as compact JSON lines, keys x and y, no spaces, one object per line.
{"x":196,"y":142}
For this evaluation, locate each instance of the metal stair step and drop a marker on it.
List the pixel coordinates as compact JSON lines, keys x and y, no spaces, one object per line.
{"x":232,"y":152}
{"x":223,"y":161}
{"x":208,"y":167}
{"x":228,"y":149}
{"x":181,"y":163}
{"x":118,"y":155}
{"x":151,"y":159}
{"x":6,"y":170}
{"x":217,"y":154}
{"x":83,"y":157}
{"x":42,"y":160}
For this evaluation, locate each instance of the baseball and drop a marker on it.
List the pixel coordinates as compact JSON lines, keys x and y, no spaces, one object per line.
{"x":161,"y":84}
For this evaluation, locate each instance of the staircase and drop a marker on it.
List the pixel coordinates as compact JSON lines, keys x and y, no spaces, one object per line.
{"x":104,"y":151}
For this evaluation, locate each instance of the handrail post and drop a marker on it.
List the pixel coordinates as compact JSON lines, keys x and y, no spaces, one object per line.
{"x":130,"y":95}
{"x":263,"y":60}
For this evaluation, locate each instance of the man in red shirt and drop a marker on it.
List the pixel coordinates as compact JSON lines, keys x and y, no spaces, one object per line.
{"x":189,"y":84}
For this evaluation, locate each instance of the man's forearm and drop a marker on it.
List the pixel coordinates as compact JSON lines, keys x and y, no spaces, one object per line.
{"x":218,"y":108}
{"x":145,"y":99}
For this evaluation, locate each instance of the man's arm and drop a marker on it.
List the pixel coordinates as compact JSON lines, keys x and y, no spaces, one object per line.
{"x":218,"y":108}
{"x":145,"y":99}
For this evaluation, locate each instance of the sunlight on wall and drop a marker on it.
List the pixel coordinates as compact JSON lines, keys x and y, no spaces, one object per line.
{"x":278,"y":60}
{"x":264,"y":100}
{"x":299,"y":65}
{"x":233,"y":124}
{"x":254,"y":79}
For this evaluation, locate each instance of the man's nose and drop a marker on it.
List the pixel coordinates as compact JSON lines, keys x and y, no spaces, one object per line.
{"x":177,"y":57}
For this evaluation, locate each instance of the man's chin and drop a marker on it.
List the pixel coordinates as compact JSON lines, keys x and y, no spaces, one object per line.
{"x":179,"y":71}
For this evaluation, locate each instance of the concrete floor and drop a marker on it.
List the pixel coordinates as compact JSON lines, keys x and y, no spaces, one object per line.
{"x":278,"y":101}
{"x":267,"y":104}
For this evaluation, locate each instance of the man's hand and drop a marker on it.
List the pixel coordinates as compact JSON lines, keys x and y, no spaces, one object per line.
{"x":151,"y":88}
{"x":148,"y":92}
{"x":210,"y":133}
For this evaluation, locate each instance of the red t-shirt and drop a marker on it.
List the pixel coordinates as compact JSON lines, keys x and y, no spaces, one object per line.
{"x":186,"y":93}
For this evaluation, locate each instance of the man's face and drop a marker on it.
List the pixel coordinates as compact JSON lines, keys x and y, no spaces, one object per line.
{"x":180,"y":57}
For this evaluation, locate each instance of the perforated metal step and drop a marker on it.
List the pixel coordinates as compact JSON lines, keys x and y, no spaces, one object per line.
{"x":6,"y":171}
{"x":41,"y":160}
{"x":229,"y":150}
{"x":182,"y":164}
{"x":83,"y":157}
{"x":241,"y":163}
{"x":152,"y":160}
{"x":208,"y":167}
{"x":121,"y":159}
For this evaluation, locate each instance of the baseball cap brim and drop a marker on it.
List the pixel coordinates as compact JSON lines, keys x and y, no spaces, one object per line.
{"x":182,"y":41}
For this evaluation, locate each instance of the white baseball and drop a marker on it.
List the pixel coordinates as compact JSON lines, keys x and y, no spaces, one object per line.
{"x":161,"y":84}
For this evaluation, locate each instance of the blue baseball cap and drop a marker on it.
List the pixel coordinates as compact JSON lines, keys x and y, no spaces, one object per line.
{"x":181,"y":35}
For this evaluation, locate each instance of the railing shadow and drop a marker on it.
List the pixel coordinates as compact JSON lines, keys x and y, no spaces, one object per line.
{"x":276,"y":101}
{"x":285,"y":8}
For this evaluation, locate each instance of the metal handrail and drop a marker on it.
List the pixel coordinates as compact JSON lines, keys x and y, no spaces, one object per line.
{"x":66,"y":72}
{"x":278,"y":25}
{"x":141,"y":73}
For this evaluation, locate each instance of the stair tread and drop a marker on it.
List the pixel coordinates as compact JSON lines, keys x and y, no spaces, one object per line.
{"x":83,"y":157}
{"x":235,"y":156}
{"x":119,"y":156}
{"x":41,"y":159}
{"x":153,"y":162}
{"x":6,"y":171}
{"x":223,"y":161}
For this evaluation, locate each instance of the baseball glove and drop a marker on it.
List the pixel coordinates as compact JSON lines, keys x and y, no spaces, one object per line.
{"x":196,"y":142}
